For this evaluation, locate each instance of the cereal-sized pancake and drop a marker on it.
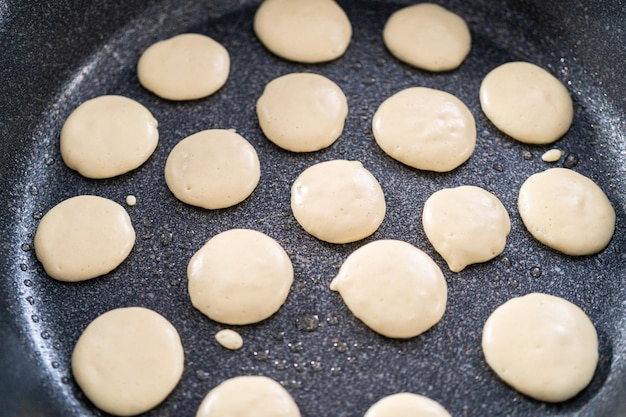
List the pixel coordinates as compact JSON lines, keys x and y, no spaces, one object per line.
{"x":239,"y":276}
{"x":406,"y":404}
{"x":465,"y":225}
{"x":428,"y":36}
{"x":248,"y":396}
{"x":425,"y":128}
{"x":526,"y":102}
{"x":338,"y":201}
{"x":128,"y":360}
{"x":213,"y":169}
{"x":307,"y":31}
{"x":302,"y":112}
{"x":108,"y":136}
{"x":83,"y":237}
{"x":566,"y":211}
{"x":542,"y":345}
{"x":396,"y":289}
{"x":185,"y":67}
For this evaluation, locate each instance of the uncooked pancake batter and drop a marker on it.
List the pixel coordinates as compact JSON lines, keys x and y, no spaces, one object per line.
{"x":406,"y":404}
{"x":552,"y":155}
{"x":248,"y":396}
{"x":185,"y":67}
{"x":541,"y":345}
{"x":239,"y":276}
{"x":308,"y":31}
{"x":526,"y":102}
{"x":302,"y":112}
{"x":338,"y":201}
{"x":212,"y":169}
{"x":83,"y":237}
{"x":229,"y":339}
{"x":425,"y":128}
{"x":108,"y":136}
{"x":131,"y":200}
{"x":396,"y":289}
{"x":428,"y":36}
{"x":465,"y":225}
{"x":566,"y":211}
{"x":128,"y":360}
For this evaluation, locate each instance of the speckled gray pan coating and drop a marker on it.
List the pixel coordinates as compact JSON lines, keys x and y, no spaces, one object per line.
{"x":55,"y":55}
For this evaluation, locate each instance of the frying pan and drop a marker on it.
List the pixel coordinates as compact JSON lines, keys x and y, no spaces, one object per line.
{"x":55,"y":55}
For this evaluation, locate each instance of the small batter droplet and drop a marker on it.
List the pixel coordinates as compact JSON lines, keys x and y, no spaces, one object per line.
{"x":229,"y":339}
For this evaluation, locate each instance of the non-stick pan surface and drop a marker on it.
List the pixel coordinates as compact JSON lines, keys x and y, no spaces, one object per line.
{"x":55,"y":55}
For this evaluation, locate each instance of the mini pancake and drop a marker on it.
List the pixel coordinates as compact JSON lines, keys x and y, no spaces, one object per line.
{"x":465,"y":225}
{"x":566,"y":211}
{"x":406,"y":404}
{"x":83,"y":237}
{"x":108,"y":136}
{"x":425,"y":128}
{"x":185,"y":67}
{"x":526,"y":102}
{"x":248,"y":396}
{"x":239,"y":276}
{"x":543,"y":346}
{"x":212,"y":169}
{"x":128,"y":360}
{"x":307,"y":31}
{"x":302,"y":112}
{"x":396,"y":289}
{"x":338,"y":201}
{"x":428,"y":36}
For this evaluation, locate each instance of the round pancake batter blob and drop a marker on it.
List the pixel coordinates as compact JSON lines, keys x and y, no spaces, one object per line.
{"x":566,"y":211}
{"x":185,"y":67}
{"x":406,"y":404}
{"x":338,"y":201}
{"x":83,"y":237}
{"x":428,"y":36}
{"x":466,"y":225}
{"x":396,"y":289}
{"x":426,"y":129}
{"x":302,"y":112}
{"x":248,"y":396}
{"x":526,"y":102}
{"x":128,"y":360}
{"x":541,"y":345}
{"x":307,"y":31}
{"x":239,"y":276}
{"x":212,"y":169}
{"x":108,"y":136}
